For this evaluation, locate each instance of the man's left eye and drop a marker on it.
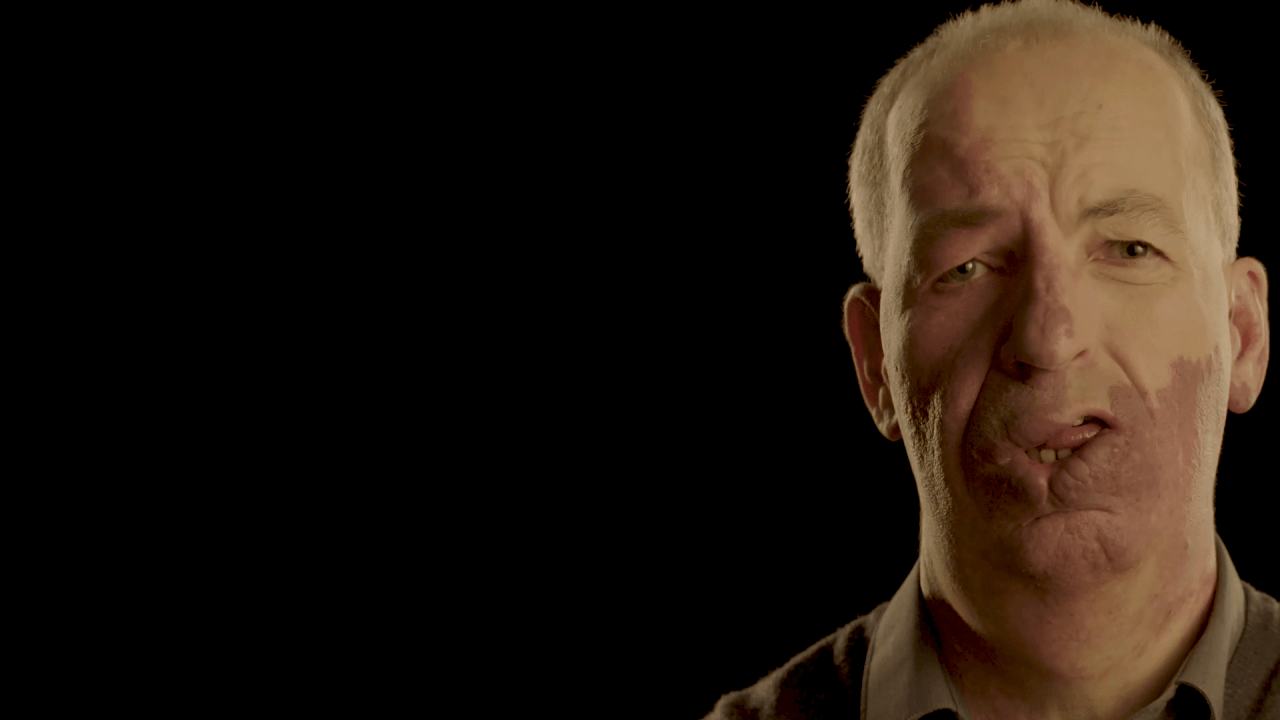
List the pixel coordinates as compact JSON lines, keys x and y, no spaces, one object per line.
{"x":1135,"y":249}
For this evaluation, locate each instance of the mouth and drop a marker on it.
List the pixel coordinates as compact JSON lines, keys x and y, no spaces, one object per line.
{"x":1061,"y":444}
{"x":1053,"y":464}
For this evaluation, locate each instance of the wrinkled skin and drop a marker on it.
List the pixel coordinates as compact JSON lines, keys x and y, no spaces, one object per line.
{"x":1077,"y":592}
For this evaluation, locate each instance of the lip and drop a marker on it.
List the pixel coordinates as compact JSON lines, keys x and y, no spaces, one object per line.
{"x":1033,"y":433}
{"x":1103,"y":415}
{"x":1065,"y":484}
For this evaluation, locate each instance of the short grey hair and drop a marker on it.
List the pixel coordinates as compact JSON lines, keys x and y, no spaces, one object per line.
{"x":889,"y":129}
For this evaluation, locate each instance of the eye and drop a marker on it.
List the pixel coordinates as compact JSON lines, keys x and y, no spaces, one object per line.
{"x":1135,"y":249}
{"x":961,"y":274}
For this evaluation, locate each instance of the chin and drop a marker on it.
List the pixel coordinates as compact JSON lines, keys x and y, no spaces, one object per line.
{"x":1070,"y":548}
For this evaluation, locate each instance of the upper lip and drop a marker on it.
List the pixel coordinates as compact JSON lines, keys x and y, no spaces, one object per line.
{"x":1034,"y":432}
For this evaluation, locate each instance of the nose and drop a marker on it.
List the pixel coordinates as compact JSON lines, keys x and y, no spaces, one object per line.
{"x":1044,"y":328}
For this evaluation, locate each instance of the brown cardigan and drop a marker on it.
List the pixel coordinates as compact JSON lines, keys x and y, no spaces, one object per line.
{"x":826,"y":681}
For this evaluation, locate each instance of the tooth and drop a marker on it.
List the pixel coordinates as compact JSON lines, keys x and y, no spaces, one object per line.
{"x":1063,"y":453}
{"x":1046,"y":455}
{"x":1078,"y":423}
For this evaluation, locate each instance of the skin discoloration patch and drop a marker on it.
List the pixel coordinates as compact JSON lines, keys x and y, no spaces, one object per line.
{"x":1153,"y":471}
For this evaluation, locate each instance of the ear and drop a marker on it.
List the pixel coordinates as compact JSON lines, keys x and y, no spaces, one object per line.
{"x":1250,"y":332}
{"x":862,"y":330}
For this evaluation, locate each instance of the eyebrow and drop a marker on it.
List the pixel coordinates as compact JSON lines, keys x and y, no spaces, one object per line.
{"x":1135,"y":205}
{"x":940,"y":222}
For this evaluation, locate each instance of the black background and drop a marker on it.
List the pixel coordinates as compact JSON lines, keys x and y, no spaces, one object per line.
{"x":769,"y":510}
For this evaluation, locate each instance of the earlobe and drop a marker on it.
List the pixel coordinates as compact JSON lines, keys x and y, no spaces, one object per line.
{"x":1250,"y":332}
{"x":862,"y":330}
{"x":888,"y":418}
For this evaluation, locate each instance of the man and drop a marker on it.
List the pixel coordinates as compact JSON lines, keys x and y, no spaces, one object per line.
{"x":1045,"y":200}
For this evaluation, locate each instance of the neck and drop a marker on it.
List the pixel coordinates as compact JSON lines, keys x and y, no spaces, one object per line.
{"x":1023,"y":648}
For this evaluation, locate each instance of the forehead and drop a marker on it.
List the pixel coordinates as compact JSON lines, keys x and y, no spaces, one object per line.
{"x":1068,"y":120}
{"x":1050,"y":83}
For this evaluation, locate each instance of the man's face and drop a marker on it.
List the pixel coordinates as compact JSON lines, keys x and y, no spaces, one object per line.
{"x":1061,"y":316}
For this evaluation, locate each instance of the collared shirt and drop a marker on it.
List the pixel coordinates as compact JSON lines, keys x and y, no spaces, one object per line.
{"x":906,"y":679}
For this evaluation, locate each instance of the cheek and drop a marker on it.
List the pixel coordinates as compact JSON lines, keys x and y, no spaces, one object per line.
{"x":1159,"y":476}
{"x":943,"y":332}
{"x":1179,"y":426}
{"x":942,"y":371}
{"x":1151,"y":330}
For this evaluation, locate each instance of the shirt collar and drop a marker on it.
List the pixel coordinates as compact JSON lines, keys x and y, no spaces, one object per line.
{"x":1206,"y":666}
{"x":906,"y":680}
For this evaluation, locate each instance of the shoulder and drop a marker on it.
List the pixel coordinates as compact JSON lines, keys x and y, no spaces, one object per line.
{"x":823,"y":681}
{"x":1253,"y":675}
{"x":1262,"y":608}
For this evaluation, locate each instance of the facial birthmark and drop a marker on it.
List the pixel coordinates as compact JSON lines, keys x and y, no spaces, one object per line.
{"x":1146,"y":474}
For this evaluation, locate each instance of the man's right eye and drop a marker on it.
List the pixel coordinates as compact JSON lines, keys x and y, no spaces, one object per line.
{"x":961,"y":274}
